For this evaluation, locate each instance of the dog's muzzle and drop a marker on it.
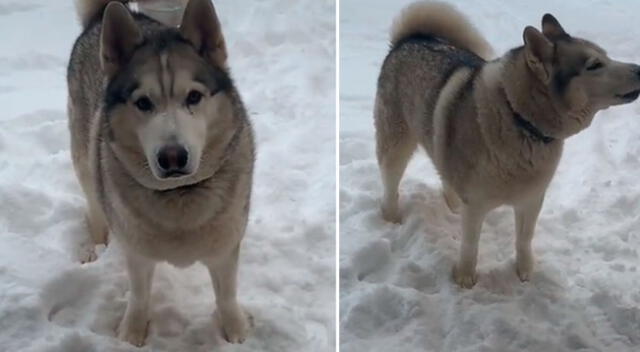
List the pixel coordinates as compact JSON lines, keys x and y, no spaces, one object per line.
{"x":172,"y":161}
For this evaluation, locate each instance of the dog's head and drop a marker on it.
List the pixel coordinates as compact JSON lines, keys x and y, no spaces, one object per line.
{"x":577,"y":75}
{"x":168,"y":97}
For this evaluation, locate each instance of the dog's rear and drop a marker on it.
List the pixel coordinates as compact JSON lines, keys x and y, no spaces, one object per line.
{"x":420,"y":27}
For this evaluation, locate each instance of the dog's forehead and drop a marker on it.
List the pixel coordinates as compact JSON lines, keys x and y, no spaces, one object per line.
{"x":172,"y":67}
{"x":166,"y":65}
{"x":148,"y":60}
{"x":578,"y":49}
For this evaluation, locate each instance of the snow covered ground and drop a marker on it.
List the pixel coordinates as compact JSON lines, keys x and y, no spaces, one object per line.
{"x":396,"y":291}
{"x":282,"y":55}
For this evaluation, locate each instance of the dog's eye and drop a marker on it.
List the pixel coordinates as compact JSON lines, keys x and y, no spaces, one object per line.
{"x":194,"y":97}
{"x":594,"y":66}
{"x":144,"y":104}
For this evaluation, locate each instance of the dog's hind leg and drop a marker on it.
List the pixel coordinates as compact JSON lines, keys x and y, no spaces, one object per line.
{"x":80,"y":134}
{"x":95,"y":217}
{"x":394,"y":146}
{"x":97,"y":223}
{"x":526,"y":217}
{"x":451,"y":198}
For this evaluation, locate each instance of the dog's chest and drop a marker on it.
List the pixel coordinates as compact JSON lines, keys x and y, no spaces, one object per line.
{"x":521,"y":174}
{"x":178,"y":247}
{"x":161,"y":232}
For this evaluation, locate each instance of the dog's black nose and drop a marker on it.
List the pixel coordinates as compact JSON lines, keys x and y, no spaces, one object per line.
{"x":636,"y":69}
{"x":173,"y":158}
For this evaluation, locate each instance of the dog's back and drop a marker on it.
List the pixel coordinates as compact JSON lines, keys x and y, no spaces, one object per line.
{"x":429,"y":42}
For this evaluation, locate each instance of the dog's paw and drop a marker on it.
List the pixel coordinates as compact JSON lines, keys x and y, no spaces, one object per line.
{"x":88,"y":255}
{"x":464,"y":278}
{"x":391,"y":215}
{"x":133,"y":331}
{"x":235,"y":325}
{"x":524,"y":267}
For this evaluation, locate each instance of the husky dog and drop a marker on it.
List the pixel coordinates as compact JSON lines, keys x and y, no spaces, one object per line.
{"x":163,"y":149}
{"x":493,"y":129}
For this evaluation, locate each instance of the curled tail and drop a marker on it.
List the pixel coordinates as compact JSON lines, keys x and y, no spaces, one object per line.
{"x":88,"y":10}
{"x":441,"y":20}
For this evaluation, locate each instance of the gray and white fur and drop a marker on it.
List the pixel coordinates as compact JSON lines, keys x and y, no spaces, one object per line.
{"x":494,"y":129}
{"x":163,"y":149}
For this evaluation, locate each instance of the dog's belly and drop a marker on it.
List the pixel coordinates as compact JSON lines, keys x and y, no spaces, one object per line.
{"x":180,"y":244}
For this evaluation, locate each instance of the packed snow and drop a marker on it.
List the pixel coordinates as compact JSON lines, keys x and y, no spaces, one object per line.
{"x":282,"y":56}
{"x":396,"y":292}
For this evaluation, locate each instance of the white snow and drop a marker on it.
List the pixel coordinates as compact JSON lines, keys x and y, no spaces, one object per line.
{"x":396,"y":292}
{"x":282,"y":56}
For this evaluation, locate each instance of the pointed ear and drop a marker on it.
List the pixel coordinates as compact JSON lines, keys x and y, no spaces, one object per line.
{"x":538,"y":53}
{"x":120,"y":36}
{"x":551,"y":28}
{"x":201,"y":27}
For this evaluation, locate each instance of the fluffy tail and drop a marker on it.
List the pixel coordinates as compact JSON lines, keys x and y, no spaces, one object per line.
{"x":442,"y":20}
{"x":90,"y":9}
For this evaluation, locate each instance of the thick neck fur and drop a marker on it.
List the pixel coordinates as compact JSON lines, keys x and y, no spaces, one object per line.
{"x":184,"y":208}
{"x":556,"y":116}
{"x":514,"y":151}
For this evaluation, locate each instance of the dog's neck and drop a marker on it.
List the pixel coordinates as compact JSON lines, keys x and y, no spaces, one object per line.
{"x":194,"y":203}
{"x":533,"y":100}
{"x":526,"y":126}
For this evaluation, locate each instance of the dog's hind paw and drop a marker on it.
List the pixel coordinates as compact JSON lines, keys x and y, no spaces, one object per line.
{"x":452,"y":200}
{"x":463,"y":278}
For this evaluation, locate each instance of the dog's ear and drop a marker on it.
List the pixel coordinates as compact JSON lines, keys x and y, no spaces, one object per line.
{"x":120,"y":36}
{"x":551,"y":28}
{"x":538,"y":53}
{"x":200,"y":26}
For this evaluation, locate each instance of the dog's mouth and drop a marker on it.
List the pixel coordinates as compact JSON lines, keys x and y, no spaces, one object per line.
{"x":175,"y":174}
{"x":631,"y":96}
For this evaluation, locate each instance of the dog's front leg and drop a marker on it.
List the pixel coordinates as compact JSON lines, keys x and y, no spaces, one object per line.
{"x":526,"y":217}
{"x":464,"y":273}
{"x":134,"y":325}
{"x":233,"y":321}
